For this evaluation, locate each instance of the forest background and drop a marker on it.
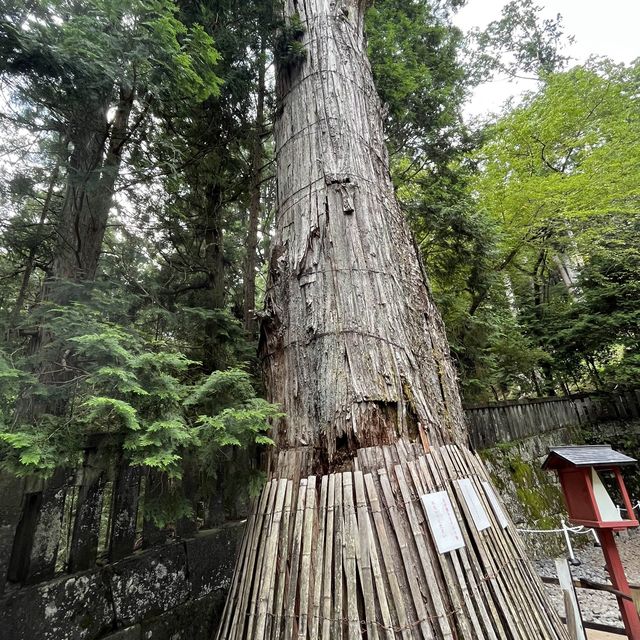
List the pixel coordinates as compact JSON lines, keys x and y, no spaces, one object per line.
{"x":137,"y":200}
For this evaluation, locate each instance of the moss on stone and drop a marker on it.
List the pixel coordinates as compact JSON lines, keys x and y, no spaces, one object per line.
{"x":538,"y":499}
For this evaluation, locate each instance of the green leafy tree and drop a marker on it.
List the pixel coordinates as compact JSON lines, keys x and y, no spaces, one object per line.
{"x":521,"y":43}
{"x":207,"y":221}
{"x":133,"y":390}
{"x":554,"y":175}
{"x":602,"y":322}
{"x":91,"y":75}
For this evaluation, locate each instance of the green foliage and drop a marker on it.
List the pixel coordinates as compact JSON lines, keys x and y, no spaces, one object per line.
{"x":140,"y":393}
{"x":520,"y":42}
{"x":604,"y":319}
{"x":70,"y":71}
{"x":413,"y":49}
{"x":570,"y":151}
{"x":558,"y":180}
{"x":289,"y":50}
{"x":112,"y":413}
{"x":122,"y":43}
{"x":501,"y":213}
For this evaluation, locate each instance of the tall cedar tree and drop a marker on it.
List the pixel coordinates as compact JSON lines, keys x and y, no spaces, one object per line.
{"x":354,"y":350}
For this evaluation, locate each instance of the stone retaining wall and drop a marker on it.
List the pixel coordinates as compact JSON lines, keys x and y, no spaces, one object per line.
{"x":171,"y":592}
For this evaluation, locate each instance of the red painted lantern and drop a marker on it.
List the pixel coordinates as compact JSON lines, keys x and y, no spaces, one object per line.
{"x":587,"y":475}
{"x":584,"y":473}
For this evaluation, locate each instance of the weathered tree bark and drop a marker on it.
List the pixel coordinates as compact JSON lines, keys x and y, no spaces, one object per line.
{"x":338,"y":545}
{"x":353,"y":346}
{"x":92,"y":170}
{"x":31,"y":258}
{"x":213,"y":234}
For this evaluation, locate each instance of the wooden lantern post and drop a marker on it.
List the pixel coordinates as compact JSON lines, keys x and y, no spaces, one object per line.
{"x":589,"y":504}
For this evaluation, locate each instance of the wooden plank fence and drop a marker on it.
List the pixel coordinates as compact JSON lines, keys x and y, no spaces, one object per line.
{"x":513,"y":420}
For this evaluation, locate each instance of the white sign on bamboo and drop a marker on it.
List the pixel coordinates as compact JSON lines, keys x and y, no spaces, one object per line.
{"x":442,"y":521}
{"x":476,"y":508}
{"x":495,"y":505}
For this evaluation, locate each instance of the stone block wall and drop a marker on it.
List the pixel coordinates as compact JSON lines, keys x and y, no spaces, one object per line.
{"x":174,"y":591}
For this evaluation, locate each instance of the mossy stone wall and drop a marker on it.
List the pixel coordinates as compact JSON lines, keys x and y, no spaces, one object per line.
{"x":533,"y":496}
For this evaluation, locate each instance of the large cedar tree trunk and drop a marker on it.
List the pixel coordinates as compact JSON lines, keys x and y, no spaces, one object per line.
{"x":93,"y":169}
{"x":338,"y":546}
{"x":354,"y":347}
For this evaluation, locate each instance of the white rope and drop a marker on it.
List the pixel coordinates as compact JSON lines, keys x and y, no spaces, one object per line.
{"x":578,"y":530}
{"x":635,"y":506}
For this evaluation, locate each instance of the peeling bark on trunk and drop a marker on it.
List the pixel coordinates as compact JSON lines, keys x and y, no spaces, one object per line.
{"x":339,"y":545}
{"x":354,"y":348}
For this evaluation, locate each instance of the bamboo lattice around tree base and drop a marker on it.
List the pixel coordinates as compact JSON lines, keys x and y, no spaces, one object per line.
{"x":351,"y":556}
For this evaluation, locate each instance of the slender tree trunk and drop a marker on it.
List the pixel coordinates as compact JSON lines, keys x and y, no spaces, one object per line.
{"x":338,"y":546}
{"x":33,"y":252}
{"x":536,"y":384}
{"x":593,"y":371}
{"x":546,"y":367}
{"x":575,"y":381}
{"x":548,"y":380}
{"x":568,"y":274}
{"x":213,"y":234}
{"x":257,"y":159}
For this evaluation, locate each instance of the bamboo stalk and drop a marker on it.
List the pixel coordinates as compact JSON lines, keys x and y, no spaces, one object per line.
{"x":345,"y":556}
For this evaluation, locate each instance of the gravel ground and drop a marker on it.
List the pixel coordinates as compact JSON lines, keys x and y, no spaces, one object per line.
{"x":597,"y":606}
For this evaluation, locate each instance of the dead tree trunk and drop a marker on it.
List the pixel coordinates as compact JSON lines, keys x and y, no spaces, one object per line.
{"x":341,"y":544}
